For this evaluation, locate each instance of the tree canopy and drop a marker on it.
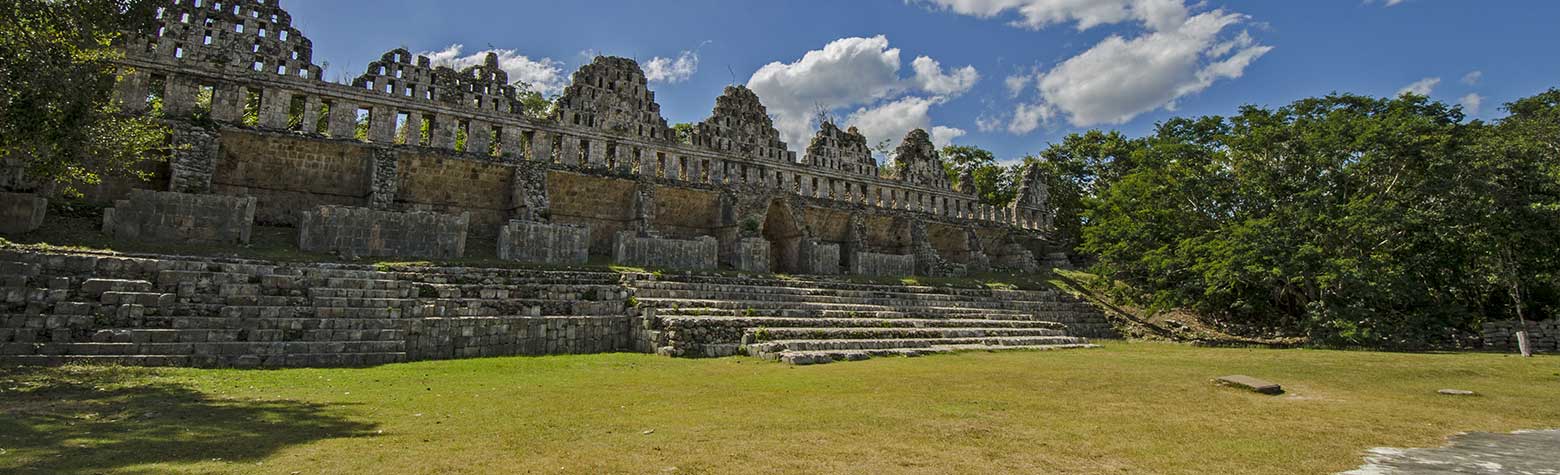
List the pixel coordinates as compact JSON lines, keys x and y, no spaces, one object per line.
{"x":57,"y":117}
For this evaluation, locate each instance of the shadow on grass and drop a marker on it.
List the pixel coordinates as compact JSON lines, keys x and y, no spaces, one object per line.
{"x":92,"y":419}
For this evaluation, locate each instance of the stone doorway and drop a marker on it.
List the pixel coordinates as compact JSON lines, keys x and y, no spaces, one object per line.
{"x":785,"y":238}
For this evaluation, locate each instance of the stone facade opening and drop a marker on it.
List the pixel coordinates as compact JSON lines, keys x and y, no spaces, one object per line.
{"x":784,"y":237}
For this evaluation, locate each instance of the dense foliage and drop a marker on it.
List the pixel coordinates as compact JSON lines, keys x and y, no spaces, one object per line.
{"x":57,"y":119}
{"x":1352,"y":220}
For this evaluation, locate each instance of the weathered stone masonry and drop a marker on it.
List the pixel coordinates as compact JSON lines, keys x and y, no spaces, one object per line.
{"x":389,"y":142}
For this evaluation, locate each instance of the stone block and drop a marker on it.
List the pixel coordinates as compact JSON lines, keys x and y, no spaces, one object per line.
{"x":558,"y":244}
{"x":181,"y":217}
{"x":21,"y":212}
{"x":629,"y":248}
{"x":357,"y":232}
{"x":752,"y":255}
{"x":883,"y":265}
{"x":1250,"y":384}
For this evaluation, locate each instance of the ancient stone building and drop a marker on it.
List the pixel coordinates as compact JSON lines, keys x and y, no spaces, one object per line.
{"x":740,"y":125}
{"x":414,"y":160}
{"x":844,"y":150}
{"x":411,"y":137}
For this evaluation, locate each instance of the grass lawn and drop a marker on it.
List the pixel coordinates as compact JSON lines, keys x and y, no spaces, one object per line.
{"x":1127,"y":408}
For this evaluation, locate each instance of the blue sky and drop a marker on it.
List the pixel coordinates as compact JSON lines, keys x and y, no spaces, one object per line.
{"x":1006,"y":75}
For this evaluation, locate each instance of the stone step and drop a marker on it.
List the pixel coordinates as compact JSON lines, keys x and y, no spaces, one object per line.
{"x":268,"y":323}
{"x":830,"y":356}
{"x":848,"y":290}
{"x":856,"y":300}
{"x":757,"y":305}
{"x":19,"y":269}
{"x":223,"y":335}
{"x":93,"y":288}
{"x":217,"y":348}
{"x":762,"y":335}
{"x":777,"y":346}
{"x":123,"y":360}
{"x":782,"y":322}
{"x":804,"y":311}
{"x":148,"y":299}
{"x":213,"y":361}
{"x":325,"y":292}
{"x":536,"y":290}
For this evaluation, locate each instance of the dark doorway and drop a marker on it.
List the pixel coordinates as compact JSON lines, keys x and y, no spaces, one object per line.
{"x":785,"y":238}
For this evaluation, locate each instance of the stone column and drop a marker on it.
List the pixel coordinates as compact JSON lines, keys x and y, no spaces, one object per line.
{"x":131,"y":91}
{"x":192,"y":163}
{"x":441,"y":135}
{"x":695,"y":170}
{"x":227,"y":103}
{"x":411,"y":132}
{"x":343,"y":119}
{"x":479,"y":138}
{"x":597,"y":158}
{"x":570,"y":151}
{"x":541,"y":146}
{"x":509,"y":144}
{"x":381,"y":125}
{"x":311,"y":112}
{"x":718,"y":172}
{"x":179,"y":101}
{"x":274,"y":103}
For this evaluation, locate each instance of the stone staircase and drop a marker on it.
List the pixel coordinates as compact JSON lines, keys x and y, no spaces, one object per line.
{"x":179,"y":311}
{"x":819,"y":321}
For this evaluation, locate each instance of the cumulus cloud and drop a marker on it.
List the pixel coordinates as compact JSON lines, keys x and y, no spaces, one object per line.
{"x":670,"y":70}
{"x":545,"y":75}
{"x":894,"y":119}
{"x":1039,"y":14}
{"x":862,"y":73}
{"x":1421,"y":87}
{"x":1473,"y":78}
{"x":1389,"y":3}
{"x":1177,"y":54}
{"x":1471,"y":103}
{"x":930,"y":77}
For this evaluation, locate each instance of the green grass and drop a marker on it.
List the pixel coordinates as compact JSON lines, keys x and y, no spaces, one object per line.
{"x":1127,"y":408}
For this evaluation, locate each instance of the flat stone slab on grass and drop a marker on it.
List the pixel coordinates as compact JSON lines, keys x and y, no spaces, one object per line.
{"x":1527,"y":452}
{"x":1250,"y":384}
{"x":1456,"y":392}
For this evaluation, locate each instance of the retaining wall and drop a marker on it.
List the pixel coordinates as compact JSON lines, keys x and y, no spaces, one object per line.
{"x":366,"y":232}
{"x":528,"y":241}
{"x":168,"y":216}
{"x":21,"y":212}
{"x":628,"y":248}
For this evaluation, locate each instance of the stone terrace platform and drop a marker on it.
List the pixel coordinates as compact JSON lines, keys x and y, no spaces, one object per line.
{"x":190,"y":311}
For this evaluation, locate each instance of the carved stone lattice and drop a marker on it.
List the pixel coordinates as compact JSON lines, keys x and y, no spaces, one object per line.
{"x":610,"y":94}
{"x":740,"y":124}
{"x":484,"y":86}
{"x":241,"y":35}
{"x":844,"y":150}
{"x":917,"y":162}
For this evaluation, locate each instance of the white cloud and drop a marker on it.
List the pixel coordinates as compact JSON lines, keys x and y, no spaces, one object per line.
{"x":1473,"y":78}
{"x":671,"y":71}
{"x":1119,"y":78}
{"x":1472,"y":103}
{"x":929,"y":77}
{"x":1038,"y":14}
{"x":1178,"y":54}
{"x":1421,"y":87}
{"x":1389,"y":3}
{"x":862,"y":73}
{"x":892,"y":120}
{"x":944,"y":136}
{"x":545,"y":75}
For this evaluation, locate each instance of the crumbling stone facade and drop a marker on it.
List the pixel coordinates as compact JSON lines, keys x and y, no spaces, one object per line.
{"x":408,"y":136}
{"x":844,"y":150}
{"x":629,"y":248}
{"x":741,"y":125}
{"x":181,"y":217}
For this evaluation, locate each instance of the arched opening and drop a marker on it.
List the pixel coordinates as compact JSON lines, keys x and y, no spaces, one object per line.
{"x":785,"y":238}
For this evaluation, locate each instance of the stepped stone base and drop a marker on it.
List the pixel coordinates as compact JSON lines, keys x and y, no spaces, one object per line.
{"x":174,"y":311}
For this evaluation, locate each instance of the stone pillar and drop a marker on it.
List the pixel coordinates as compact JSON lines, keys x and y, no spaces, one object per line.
{"x":479,"y":138}
{"x":179,"y":101}
{"x":411,"y":133}
{"x":343,"y":119}
{"x":311,"y":112}
{"x":509,"y":144}
{"x":384,"y":166}
{"x":528,"y":198}
{"x":381,"y":125}
{"x":131,"y":91}
{"x":441,"y":135}
{"x":227,"y":103}
{"x":570,"y":151}
{"x":644,"y":208}
{"x":597,"y":158}
{"x":691,"y":164}
{"x":541,"y":147}
{"x":274,"y":103}
{"x":718,"y":172}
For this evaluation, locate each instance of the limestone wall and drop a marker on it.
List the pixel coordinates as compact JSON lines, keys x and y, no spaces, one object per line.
{"x":696,"y":254}
{"x":289,"y":173}
{"x":1544,"y":336}
{"x":366,"y":232}
{"x":21,"y":212}
{"x":529,"y":241}
{"x":874,"y":264}
{"x":181,"y":217}
{"x":752,"y":255}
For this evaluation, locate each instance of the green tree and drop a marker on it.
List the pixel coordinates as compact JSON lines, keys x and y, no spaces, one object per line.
{"x":57,"y":116}
{"x":683,"y":132}
{"x":1077,"y":169}
{"x":994,"y":184}
{"x":537,"y":105}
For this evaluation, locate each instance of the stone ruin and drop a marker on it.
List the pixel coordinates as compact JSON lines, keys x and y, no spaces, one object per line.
{"x":413,"y":160}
